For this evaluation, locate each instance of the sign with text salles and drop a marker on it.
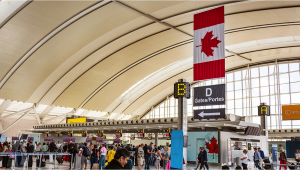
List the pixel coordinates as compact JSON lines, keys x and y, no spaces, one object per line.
{"x":209,"y":113}
{"x":291,"y":112}
{"x":209,"y":95}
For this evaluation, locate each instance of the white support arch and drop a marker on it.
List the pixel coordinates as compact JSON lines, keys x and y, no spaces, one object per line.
{"x":4,"y":106}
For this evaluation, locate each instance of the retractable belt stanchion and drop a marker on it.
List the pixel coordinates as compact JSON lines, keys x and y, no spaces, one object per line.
{"x":15,"y":161}
{"x":54,"y":160}
{"x":41,"y":157}
{"x":71,"y":161}
{"x":27,"y":159}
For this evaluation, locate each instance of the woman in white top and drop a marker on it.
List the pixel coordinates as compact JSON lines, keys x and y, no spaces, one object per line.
{"x":244,"y":159}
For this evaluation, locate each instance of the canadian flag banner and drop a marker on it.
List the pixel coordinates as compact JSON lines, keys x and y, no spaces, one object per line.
{"x":209,"y":46}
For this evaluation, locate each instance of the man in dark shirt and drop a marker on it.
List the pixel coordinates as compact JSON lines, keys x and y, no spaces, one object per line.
{"x":128,"y":147}
{"x":149,"y":155}
{"x":30,"y":150}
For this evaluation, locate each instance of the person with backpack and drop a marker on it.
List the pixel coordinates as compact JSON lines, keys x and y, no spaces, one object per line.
{"x":85,"y":154}
{"x":101,"y":156}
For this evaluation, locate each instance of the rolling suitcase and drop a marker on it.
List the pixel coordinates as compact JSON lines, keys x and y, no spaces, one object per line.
{"x":59,"y":159}
{"x":43,"y":163}
{"x":9,"y":161}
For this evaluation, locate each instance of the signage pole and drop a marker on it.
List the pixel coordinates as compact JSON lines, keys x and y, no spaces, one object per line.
{"x":182,"y":118}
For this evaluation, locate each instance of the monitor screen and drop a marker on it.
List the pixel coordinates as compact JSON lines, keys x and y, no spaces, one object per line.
{"x":70,"y":134}
{"x":118,"y":134}
{"x":99,"y":139}
{"x":66,"y":139}
{"x":57,"y":134}
{"x":30,"y":138}
{"x":46,"y":135}
{"x":24,"y":136}
{"x":15,"y":138}
{"x":88,"y":140}
{"x":48,"y":139}
{"x":116,"y":140}
{"x":72,"y":139}
{"x":100,"y":134}
{"x":83,"y":134}
{"x":140,"y":135}
{"x":166,"y":135}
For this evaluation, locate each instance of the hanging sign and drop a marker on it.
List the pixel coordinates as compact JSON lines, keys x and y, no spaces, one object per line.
{"x":209,"y":113}
{"x":291,"y":112}
{"x":209,"y":95}
{"x":263,"y":110}
{"x":209,"y":46}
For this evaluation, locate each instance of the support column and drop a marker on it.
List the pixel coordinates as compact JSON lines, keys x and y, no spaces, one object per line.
{"x":182,"y":119}
{"x":156,"y":139}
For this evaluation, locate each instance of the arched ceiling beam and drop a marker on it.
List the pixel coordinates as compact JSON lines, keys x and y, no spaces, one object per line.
{"x":46,"y":111}
{"x":18,"y":112}
{"x":48,"y":37}
{"x":4,"y":105}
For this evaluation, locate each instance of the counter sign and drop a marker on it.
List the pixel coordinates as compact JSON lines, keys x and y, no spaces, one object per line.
{"x":209,"y":95}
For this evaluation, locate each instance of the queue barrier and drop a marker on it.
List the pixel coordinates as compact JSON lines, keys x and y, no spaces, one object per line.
{"x":272,"y":165}
{"x":40,"y":154}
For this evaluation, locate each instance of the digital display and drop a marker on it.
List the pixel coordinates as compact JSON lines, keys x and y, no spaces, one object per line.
{"x":140,"y":135}
{"x":66,"y":139}
{"x":118,"y":134}
{"x":48,"y":139}
{"x":30,"y":138}
{"x":116,"y":140}
{"x":100,"y":134}
{"x":57,"y":134}
{"x":46,"y":135}
{"x":83,"y":135}
{"x":24,"y":136}
{"x":70,"y":134}
{"x":166,"y":135}
{"x":88,"y":140}
{"x":182,"y":89}
{"x":72,"y":139}
{"x":99,"y":139}
{"x":15,"y":138}
{"x":263,"y":110}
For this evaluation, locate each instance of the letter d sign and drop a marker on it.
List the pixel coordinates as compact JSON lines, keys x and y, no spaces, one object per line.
{"x":208,"y":91}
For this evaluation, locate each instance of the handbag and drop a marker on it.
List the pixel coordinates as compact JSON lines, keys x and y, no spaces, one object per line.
{"x":11,"y":155}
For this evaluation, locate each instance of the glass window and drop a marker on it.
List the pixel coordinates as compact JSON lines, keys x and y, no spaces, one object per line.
{"x":294,"y":66}
{"x":295,"y":87}
{"x":254,"y":72}
{"x":256,"y":119}
{"x":238,"y":94}
{"x":272,"y":110}
{"x":237,"y":76}
{"x":239,"y":112}
{"x":229,"y":77}
{"x":230,"y":111}
{"x":230,"y":95}
{"x":295,"y":76}
{"x":255,"y":82}
{"x":264,"y":91}
{"x":285,"y":99}
{"x":273,"y":100}
{"x":284,"y":88}
{"x":264,"y":71}
{"x":272,"y":80}
{"x":230,"y":104}
{"x":264,"y":81}
{"x":215,"y":81}
{"x":272,"y":69}
{"x":255,"y":92}
{"x":255,"y":101}
{"x":229,"y":86}
{"x":238,"y":85}
{"x":284,"y":78}
{"x":265,"y":100}
{"x":238,"y":103}
{"x":295,"y":98}
{"x":283,"y":68}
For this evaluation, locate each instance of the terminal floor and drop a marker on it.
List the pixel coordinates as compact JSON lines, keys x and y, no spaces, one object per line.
{"x":65,"y":166}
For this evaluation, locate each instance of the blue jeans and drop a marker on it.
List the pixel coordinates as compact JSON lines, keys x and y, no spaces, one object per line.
{"x":93,"y":160}
{"x":257,"y":164}
{"x":102,"y":162}
{"x":148,"y":161}
{"x":165,"y":163}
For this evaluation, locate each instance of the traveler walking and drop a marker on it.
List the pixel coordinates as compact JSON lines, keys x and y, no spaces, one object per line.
{"x":85,"y":154}
{"x":94,"y":156}
{"x":244,"y":159}
{"x":30,"y":150}
{"x":204,"y":159}
{"x":120,"y":159}
{"x":282,"y":158}
{"x":141,"y":155}
{"x":101,"y":156}
{"x":158,"y":157}
{"x":256,"y":158}
{"x":199,"y":157}
{"x":149,"y":154}
{"x":166,"y":157}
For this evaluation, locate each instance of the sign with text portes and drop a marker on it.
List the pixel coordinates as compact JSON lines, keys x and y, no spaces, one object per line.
{"x":263,"y":110}
{"x":291,"y":112}
{"x":182,"y":89}
{"x":209,"y":95}
{"x":209,"y":113}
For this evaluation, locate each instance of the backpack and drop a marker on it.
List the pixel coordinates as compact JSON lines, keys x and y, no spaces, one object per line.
{"x":238,"y":167}
{"x":86,"y":152}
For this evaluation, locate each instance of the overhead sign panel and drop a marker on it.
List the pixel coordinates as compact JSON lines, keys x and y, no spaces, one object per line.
{"x":77,"y":120}
{"x":209,"y":113}
{"x":209,"y":46}
{"x":291,"y":112}
{"x":182,"y":89}
{"x":263,"y":110}
{"x":209,"y":95}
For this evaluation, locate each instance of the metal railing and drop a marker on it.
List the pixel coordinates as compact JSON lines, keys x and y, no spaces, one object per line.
{"x":272,"y":165}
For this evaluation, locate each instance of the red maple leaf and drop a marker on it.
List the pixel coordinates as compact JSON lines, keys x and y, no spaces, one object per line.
{"x":208,"y":43}
{"x":212,"y":146}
